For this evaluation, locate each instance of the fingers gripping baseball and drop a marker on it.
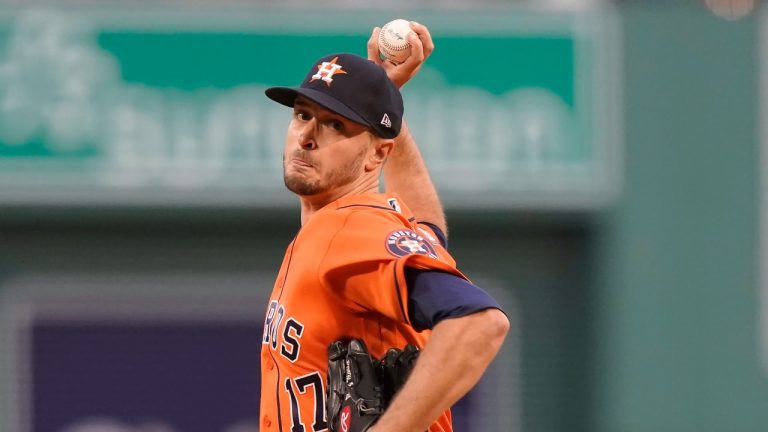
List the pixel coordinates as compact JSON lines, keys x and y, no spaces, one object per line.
{"x":425,"y":39}
{"x":373,"y":46}
{"x":421,"y":47}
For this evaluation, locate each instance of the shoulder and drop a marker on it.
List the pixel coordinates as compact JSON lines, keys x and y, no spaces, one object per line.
{"x":373,"y":227}
{"x":367,"y":231}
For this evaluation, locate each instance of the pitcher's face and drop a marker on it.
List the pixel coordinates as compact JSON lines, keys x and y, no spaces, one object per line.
{"x":323,"y":150}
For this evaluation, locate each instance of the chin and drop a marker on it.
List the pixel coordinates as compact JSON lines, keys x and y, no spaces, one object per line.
{"x":300,"y":186}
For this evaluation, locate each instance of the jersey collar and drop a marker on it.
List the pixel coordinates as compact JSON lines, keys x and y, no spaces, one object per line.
{"x":391,"y":201}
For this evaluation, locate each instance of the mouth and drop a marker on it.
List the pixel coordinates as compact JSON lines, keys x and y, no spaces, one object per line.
{"x":301,"y":162}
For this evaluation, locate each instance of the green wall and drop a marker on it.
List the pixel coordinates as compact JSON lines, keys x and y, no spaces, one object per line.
{"x":676,"y":317}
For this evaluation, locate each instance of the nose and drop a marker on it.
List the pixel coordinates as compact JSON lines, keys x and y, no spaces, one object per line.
{"x":306,"y":136}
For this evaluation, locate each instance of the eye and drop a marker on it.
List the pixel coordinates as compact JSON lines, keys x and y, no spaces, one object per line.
{"x":336,"y":125}
{"x":302,"y":115}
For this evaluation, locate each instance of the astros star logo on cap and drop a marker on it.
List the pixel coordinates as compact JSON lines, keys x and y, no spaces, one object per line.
{"x":326,"y":70}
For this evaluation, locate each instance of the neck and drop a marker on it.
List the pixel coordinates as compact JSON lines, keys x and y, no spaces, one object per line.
{"x":311,"y":204}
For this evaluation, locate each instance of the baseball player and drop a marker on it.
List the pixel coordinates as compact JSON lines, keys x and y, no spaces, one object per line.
{"x":368,"y":265}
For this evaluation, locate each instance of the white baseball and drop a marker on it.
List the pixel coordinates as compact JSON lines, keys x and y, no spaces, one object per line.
{"x":393,"y":41}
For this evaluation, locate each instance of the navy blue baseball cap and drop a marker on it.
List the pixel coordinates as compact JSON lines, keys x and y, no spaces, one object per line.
{"x":353,"y":87}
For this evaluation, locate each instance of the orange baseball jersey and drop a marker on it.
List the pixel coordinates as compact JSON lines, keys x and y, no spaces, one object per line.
{"x":341,"y":277}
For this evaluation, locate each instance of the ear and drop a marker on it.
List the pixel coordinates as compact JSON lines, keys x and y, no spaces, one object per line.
{"x":381,"y":150}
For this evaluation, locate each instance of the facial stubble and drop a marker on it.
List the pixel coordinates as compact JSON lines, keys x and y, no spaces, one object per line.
{"x":301,"y":184}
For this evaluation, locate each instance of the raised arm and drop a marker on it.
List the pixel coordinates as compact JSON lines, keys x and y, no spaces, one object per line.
{"x":405,"y":172}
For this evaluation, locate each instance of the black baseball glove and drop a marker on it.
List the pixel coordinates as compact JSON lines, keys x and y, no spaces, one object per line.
{"x":359,"y":387}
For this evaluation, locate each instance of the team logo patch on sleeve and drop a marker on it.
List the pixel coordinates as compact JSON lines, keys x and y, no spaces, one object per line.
{"x":406,"y":242}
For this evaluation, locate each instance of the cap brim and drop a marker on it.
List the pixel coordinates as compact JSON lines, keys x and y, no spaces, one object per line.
{"x":287,"y":96}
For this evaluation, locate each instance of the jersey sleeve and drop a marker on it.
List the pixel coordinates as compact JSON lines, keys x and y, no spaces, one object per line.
{"x":434,"y":296}
{"x":364,"y":265}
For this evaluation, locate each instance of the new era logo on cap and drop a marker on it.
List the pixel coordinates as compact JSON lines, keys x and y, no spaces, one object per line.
{"x":386,"y":121}
{"x":353,"y":87}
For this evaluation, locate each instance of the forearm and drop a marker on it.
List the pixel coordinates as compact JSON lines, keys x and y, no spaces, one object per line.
{"x":406,"y":174}
{"x":458,"y":352}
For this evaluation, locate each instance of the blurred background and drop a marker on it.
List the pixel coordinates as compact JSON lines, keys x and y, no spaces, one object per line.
{"x":600,"y":162}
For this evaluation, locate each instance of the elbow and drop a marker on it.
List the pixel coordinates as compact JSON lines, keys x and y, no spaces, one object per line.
{"x":484,"y":331}
{"x":498,"y":326}
{"x":495,"y":326}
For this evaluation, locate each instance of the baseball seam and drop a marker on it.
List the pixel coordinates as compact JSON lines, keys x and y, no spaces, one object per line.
{"x":394,"y":47}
